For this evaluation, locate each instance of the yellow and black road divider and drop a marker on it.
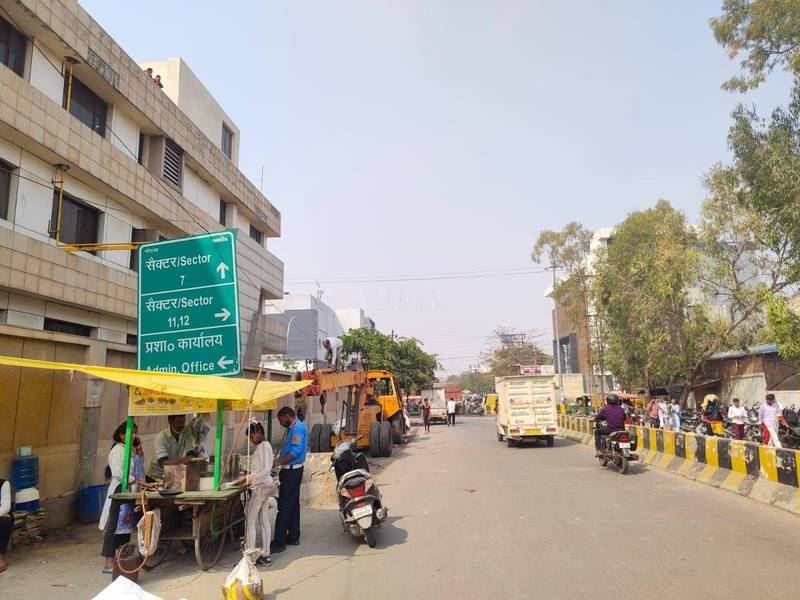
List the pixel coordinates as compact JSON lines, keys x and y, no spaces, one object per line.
{"x":764,"y":473}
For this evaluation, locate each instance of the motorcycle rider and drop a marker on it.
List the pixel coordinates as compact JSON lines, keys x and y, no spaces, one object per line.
{"x":614,"y":417}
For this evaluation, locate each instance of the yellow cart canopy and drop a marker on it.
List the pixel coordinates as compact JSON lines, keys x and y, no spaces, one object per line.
{"x":200,"y":387}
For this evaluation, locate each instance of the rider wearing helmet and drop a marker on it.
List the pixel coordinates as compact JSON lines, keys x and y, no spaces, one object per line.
{"x":614,"y":417}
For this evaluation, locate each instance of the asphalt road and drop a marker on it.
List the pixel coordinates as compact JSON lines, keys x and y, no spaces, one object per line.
{"x":471,"y":518}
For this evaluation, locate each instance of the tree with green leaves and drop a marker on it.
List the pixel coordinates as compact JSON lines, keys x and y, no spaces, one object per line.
{"x":765,"y":173}
{"x":640,"y":289}
{"x":568,"y":250}
{"x":505,"y":359}
{"x":413,"y":368}
{"x":478,"y":382}
{"x":766,"y":32}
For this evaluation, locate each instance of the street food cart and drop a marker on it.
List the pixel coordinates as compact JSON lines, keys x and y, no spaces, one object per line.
{"x":204,"y":519}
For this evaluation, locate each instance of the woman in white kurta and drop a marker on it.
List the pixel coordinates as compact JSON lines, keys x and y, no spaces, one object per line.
{"x":109,"y":518}
{"x":262,"y":487}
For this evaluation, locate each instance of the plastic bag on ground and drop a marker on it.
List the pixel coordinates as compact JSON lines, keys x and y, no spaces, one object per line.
{"x":124,"y":589}
{"x":244,"y":582}
{"x":149,"y":547}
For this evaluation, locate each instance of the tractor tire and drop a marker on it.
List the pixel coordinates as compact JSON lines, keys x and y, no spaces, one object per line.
{"x":398,"y":429}
{"x":313,"y":438}
{"x":385,"y":437}
{"x":551,"y":440}
{"x":325,"y":438}
{"x":374,"y":440}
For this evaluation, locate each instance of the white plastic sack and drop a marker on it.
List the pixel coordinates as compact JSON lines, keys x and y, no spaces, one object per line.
{"x":149,"y":547}
{"x":123,"y":588}
{"x":244,"y":582}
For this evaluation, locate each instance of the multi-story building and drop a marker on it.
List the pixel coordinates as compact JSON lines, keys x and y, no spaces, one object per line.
{"x":574,"y":334}
{"x":94,"y":157}
{"x":309,"y":321}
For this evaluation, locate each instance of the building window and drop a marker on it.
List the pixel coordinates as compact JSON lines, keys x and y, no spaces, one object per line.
{"x":86,"y":106}
{"x":256,"y":234}
{"x":66,"y":327}
{"x":223,"y":212}
{"x":140,"y":152}
{"x":227,"y":141}
{"x":79,"y":222}
{"x":173,"y":162}
{"x":137,"y":235}
{"x":6,"y":171}
{"x":131,"y":339}
{"x":12,"y":47}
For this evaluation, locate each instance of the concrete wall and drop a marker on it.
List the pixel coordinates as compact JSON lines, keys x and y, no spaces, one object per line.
{"x":184,"y":88}
{"x":42,"y":74}
{"x":125,"y":130}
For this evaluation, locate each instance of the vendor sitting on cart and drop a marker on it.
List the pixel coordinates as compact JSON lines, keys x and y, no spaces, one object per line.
{"x":173,"y":444}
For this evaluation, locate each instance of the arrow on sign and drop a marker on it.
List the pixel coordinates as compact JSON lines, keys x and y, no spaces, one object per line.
{"x":222,"y":269}
{"x":223,"y":314}
{"x":224,"y":363}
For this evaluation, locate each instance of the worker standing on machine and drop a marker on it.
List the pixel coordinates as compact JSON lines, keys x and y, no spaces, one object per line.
{"x":333,"y":349}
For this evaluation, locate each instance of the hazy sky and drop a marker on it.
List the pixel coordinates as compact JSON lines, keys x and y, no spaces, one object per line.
{"x":406,"y":137}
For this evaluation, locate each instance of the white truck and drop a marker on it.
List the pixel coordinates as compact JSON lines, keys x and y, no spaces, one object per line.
{"x":438,"y":402}
{"x":526,"y":409}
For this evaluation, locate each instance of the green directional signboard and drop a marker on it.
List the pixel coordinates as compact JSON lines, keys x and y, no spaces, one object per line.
{"x":189,"y":305}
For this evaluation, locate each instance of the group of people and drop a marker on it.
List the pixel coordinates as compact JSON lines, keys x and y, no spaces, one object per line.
{"x":156,"y":79}
{"x":664,"y":413}
{"x":425,"y":411}
{"x":177,"y":444}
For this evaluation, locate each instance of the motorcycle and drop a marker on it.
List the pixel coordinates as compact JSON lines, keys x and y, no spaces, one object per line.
{"x":617,"y":448}
{"x":361,"y":508}
{"x":789,"y":428}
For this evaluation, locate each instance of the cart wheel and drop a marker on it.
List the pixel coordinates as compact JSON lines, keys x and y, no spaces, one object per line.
{"x":159,"y":556}
{"x":207,"y":546}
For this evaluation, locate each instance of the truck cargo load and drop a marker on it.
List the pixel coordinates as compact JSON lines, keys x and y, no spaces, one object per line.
{"x":526,"y":409}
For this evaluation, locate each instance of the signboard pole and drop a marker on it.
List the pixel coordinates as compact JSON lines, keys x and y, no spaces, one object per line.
{"x":126,"y":461}
{"x":218,"y":444}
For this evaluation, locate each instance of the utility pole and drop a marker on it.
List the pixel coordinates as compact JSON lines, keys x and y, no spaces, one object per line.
{"x":558,"y":339}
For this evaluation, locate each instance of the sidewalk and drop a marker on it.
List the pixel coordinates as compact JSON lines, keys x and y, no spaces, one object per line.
{"x":67,"y":565}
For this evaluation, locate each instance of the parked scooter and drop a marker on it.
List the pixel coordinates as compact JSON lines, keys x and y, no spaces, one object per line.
{"x":361,"y":507}
{"x":789,"y":428}
{"x":617,"y":448}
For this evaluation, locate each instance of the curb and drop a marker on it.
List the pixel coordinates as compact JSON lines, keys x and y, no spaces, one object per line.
{"x":760,"y":489}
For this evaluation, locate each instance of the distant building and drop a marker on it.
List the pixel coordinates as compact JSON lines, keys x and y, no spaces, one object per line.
{"x":309,"y":321}
{"x":748,"y":375}
{"x":571,"y":351}
{"x":354,"y":318}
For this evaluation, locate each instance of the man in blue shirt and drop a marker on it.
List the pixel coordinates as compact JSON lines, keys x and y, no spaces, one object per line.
{"x":291,"y":458}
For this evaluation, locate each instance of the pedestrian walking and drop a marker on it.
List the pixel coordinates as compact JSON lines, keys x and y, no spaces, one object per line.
{"x":262,"y":488}
{"x":652,"y":412}
{"x":676,"y":414}
{"x":737,"y":414}
{"x":768,"y":417}
{"x":451,"y":413}
{"x":6,"y":521}
{"x":291,"y":458}
{"x":426,"y":415}
{"x":117,"y":518}
{"x":664,"y":413}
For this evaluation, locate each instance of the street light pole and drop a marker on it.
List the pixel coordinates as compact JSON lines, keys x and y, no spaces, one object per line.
{"x":558,"y":339}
